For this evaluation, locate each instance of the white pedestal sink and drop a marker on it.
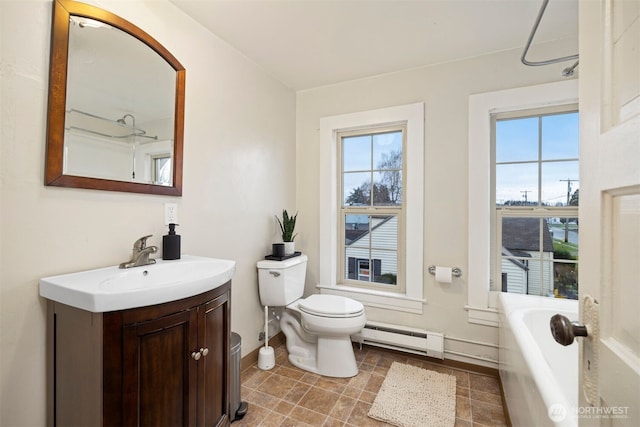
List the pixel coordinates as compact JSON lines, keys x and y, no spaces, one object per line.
{"x":112,"y":288}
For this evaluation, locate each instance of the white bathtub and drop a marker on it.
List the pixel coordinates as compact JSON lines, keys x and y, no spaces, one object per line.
{"x":539,"y":376}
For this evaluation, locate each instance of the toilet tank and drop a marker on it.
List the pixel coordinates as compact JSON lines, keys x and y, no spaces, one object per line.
{"x":281,"y":282}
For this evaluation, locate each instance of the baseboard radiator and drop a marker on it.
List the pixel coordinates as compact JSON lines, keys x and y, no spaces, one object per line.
{"x":402,"y":338}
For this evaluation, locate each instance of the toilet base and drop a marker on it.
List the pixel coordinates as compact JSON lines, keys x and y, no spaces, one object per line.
{"x":327,"y":356}
{"x":336,"y":357}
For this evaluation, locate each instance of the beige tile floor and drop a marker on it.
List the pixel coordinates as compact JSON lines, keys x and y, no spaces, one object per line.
{"x":288,"y":396}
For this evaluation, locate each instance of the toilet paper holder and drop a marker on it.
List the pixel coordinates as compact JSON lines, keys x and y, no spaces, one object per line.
{"x":455,"y":271}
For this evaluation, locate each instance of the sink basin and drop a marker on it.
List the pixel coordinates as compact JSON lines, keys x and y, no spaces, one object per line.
{"x":112,"y":288}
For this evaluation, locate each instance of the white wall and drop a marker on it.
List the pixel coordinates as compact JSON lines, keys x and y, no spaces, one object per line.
{"x":239,"y":165}
{"x":445,"y":90}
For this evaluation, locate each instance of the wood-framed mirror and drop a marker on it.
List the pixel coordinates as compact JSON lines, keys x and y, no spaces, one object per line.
{"x":116,"y":105}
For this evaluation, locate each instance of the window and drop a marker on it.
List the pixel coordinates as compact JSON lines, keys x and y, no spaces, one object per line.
{"x":483,"y":275}
{"x":371,"y":207}
{"x":161,"y":169}
{"x":362,"y":198}
{"x":536,"y":193}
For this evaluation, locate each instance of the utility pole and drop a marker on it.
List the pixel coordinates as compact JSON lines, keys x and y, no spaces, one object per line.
{"x":525,"y":192}
{"x":566,"y":222}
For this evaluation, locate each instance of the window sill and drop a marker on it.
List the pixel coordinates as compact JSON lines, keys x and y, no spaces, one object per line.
{"x":379,"y":299}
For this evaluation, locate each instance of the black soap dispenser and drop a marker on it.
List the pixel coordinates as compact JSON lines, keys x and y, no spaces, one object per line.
{"x":171,"y":244}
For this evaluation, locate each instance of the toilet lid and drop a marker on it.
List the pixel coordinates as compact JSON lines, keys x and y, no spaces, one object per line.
{"x":330,"y":306}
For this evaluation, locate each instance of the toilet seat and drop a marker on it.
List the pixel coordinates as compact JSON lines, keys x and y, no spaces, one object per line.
{"x":330,"y":306}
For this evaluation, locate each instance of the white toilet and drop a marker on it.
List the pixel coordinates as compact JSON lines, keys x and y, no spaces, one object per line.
{"x":317,"y":328}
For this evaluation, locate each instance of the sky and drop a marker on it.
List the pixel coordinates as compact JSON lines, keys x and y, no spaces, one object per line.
{"x":521,"y":151}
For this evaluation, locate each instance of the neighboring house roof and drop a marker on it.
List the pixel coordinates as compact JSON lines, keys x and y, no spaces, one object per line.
{"x":352,"y":235}
{"x":524,"y":234}
{"x":522,"y":265}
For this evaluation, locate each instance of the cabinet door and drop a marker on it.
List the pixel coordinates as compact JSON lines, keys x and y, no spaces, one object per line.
{"x":214,"y":335}
{"x":159,"y":373}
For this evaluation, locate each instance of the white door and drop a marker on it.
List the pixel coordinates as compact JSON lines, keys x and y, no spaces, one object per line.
{"x":610,"y":211}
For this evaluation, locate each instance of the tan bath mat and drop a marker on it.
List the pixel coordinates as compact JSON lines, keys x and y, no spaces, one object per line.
{"x":415,"y":397}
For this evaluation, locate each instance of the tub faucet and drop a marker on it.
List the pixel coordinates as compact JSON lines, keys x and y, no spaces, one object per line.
{"x":140,"y":255}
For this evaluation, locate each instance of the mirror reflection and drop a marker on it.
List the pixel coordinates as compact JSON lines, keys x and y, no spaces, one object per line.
{"x":119,"y":109}
{"x":116,"y":105}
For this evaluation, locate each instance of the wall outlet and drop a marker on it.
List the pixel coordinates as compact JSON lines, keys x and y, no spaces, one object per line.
{"x":170,"y":213}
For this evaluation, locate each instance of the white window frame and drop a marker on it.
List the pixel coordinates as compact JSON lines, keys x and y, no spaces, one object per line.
{"x":412,"y":116}
{"x":153,"y":160}
{"x":481,"y":301}
{"x":371,"y":211}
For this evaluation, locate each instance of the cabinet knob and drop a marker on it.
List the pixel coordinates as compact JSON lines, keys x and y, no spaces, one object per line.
{"x":204,"y":351}
{"x":196,"y":355}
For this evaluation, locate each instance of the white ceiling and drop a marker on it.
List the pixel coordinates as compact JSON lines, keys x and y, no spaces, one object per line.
{"x":311,"y":43}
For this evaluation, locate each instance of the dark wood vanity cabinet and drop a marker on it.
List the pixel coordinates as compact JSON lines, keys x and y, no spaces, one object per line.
{"x":162,"y":365}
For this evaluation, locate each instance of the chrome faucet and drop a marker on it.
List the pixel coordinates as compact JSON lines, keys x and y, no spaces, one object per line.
{"x":140,"y":255}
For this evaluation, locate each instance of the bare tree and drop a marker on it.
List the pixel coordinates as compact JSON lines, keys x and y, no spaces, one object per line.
{"x":391,"y":167}
{"x":387,"y":191}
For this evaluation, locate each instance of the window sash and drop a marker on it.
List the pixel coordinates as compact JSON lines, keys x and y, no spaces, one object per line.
{"x":372,"y":169}
{"x":539,"y":259}
{"x":538,"y":210}
{"x":372,"y":210}
{"x":375,"y":254}
{"x":540,"y":161}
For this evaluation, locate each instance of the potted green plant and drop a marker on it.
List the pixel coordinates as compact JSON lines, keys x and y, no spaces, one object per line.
{"x":287,"y":226}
